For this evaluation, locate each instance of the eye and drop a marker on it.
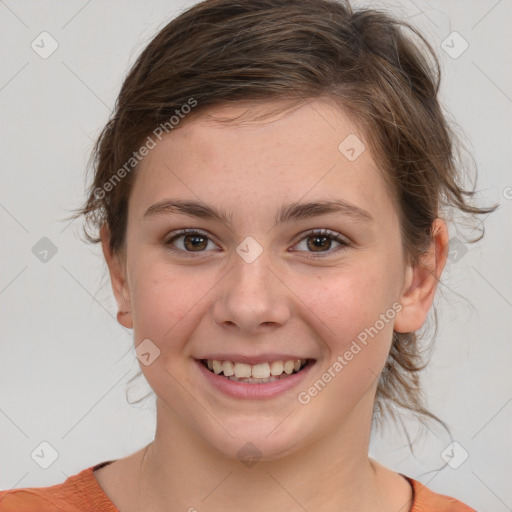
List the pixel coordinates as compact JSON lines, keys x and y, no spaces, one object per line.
{"x":192,"y":240}
{"x":317,"y":240}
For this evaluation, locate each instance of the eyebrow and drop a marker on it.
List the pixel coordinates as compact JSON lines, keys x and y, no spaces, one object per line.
{"x":287,"y":213}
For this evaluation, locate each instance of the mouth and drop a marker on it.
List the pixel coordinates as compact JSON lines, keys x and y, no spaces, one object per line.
{"x":261,"y":373}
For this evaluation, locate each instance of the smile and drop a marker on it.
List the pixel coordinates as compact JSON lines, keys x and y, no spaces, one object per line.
{"x":260,"y":373}
{"x":264,"y":380}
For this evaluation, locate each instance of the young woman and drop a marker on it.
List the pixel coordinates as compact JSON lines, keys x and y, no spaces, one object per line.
{"x":269,"y":196}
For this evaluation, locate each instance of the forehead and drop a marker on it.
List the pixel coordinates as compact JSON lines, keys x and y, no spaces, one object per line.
{"x":263,"y":153}
{"x":257,"y":129}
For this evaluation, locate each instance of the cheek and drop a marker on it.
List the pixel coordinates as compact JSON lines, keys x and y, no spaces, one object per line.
{"x":166,"y":304}
{"x":351,"y":298}
{"x":165,"y":300}
{"x":355,"y":317}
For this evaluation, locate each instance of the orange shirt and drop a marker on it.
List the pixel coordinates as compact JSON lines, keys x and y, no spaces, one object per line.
{"x":82,"y":493}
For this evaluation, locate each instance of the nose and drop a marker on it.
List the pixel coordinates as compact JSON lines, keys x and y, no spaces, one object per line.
{"x":252,"y":298}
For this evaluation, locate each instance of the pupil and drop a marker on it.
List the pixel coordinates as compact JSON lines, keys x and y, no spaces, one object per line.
{"x":317,"y":238}
{"x":196,"y":240}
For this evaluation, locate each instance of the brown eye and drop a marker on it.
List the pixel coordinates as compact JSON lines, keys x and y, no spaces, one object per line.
{"x":193,"y":242}
{"x":320,"y":241}
{"x":188,"y":241}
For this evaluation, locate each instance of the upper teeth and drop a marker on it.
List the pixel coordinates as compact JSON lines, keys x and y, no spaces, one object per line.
{"x":258,"y":371}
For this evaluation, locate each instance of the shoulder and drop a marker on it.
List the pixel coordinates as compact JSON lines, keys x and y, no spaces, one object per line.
{"x":425,"y":500}
{"x":79,"y":493}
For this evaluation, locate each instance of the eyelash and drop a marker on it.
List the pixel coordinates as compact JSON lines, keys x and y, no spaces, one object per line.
{"x":332,"y":235}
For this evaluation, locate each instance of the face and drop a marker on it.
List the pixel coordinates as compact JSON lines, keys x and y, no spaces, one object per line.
{"x":266,"y":280}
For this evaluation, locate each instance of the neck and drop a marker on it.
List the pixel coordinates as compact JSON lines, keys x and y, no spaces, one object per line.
{"x":334,"y":471}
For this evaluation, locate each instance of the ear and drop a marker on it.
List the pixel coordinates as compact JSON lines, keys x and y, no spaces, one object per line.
{"x":117,"y":270}
{"x":421,"y":281}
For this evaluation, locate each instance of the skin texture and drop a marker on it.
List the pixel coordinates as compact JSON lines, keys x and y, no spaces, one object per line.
{"x":292,"y":299}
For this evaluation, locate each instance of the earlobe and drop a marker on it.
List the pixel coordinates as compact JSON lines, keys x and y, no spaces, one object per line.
{"x":421,"y":281}
{"x":118,"y":280}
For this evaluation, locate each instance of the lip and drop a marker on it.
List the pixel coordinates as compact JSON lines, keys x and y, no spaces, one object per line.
{"x":236,"y":389}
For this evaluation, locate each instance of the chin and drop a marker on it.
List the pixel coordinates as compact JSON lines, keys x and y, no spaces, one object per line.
{"x":255,"y":440}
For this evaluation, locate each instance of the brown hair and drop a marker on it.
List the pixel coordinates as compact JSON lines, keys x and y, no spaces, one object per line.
{"x":222,"y":51}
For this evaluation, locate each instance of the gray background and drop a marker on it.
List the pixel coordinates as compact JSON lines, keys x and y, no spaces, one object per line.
{"x":66,"y":362}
